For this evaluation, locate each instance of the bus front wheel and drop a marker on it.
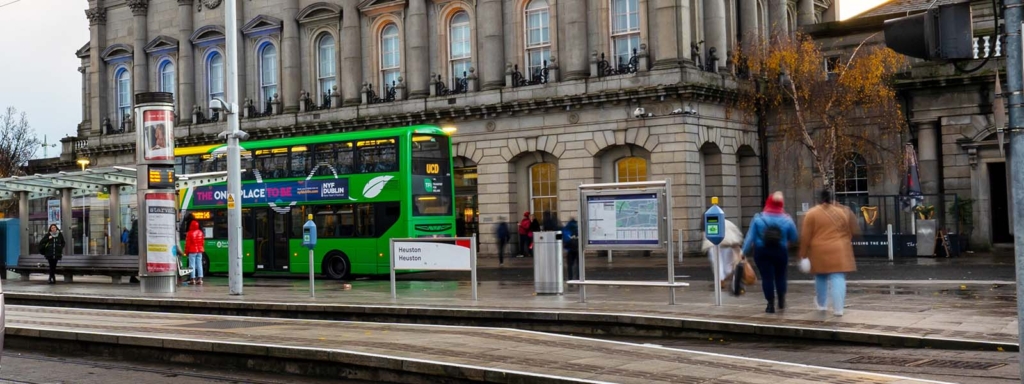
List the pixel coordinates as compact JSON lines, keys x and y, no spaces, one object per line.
{"x":336,"y":266}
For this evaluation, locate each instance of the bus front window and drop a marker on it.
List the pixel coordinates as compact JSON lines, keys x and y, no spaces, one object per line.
{"x":432,"y":177}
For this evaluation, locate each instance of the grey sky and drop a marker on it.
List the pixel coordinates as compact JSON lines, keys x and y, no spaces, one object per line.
{"x":39,"y":70}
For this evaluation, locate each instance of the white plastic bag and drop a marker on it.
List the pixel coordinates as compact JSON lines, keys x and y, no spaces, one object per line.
{"x":805,"y":265}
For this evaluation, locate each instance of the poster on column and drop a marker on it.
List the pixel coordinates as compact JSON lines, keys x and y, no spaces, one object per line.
{"x":53,"y":212}
{"x":158,"y":128}
{"x":161,"y":244}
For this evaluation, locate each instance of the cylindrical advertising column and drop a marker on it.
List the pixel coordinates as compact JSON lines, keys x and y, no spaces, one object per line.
{"x":158,"y":211}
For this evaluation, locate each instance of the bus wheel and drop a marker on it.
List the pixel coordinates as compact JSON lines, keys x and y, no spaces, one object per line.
{"x":336,"y":266}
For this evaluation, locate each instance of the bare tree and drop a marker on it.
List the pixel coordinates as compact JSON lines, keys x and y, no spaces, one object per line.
{"x":18,"y":142}
{"x":827,"y":105}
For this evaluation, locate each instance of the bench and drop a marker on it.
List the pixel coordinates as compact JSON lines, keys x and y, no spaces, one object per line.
{"x":115,"y":266}
{"x":663,"y":284}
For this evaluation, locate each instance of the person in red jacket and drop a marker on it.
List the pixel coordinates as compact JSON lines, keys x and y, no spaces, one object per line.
{"x":524,"y":235}
{"x":194,"y":247}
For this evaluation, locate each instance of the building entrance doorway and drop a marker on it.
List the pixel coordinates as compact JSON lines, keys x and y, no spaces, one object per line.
{"x":999,"y":201}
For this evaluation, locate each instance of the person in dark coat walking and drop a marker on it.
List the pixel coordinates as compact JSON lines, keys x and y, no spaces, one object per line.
{"x":534,"y":228}
{"x":570,"y":241}
{"x":503,"y":237}
{"x":133,"y":238}
{"x":52,"y":248}
{"x":550,"y":222}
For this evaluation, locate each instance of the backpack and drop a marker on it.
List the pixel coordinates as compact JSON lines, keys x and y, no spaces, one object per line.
{"x":772,"y":235}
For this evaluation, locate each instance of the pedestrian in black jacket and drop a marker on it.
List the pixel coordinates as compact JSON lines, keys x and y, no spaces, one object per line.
{"x":52,"y":248}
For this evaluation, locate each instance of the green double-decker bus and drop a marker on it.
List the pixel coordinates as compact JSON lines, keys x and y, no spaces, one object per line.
{"x":362,"y":188}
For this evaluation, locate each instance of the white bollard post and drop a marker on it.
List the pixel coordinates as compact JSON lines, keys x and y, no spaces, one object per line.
{"x":717,"y":268}
{"x":888,"y":232}
{"x":312,"y":292}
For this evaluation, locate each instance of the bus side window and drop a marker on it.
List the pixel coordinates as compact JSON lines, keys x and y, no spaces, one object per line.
{"x":299,"y":158}
{"x":344,"y":160}
{"x":323,"y":160}
{"x":364,"y":220}
{"x":247,"y":165}
{"x":387,"y":215}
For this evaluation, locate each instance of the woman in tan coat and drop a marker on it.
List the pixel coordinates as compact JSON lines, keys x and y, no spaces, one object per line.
{"x":827,"y":235}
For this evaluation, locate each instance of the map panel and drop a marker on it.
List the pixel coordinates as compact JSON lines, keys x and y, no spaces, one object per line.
{"x":623,"y":220}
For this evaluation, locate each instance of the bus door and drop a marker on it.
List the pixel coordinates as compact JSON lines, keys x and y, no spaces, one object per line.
{"x":271,"y":245}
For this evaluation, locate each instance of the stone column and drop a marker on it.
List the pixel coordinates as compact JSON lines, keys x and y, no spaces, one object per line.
{"x":685,"y":30}
{"x":576,"y":61}
{"x":186,"y":65}
{"x":928,"y":156}
{"x":748,"y":22}
{"x":98,"y":75}
{"x":664,"y":47}
{"x":778,"y":20}
{"x":351,"y":55}
{"x":116,"y":248}
{"x":140,"y":67}
{"x":492,"y":44}
{"x":714,"y":30}
{"x":418,"y":59}
{"x":806,"y":15}
{"x":66,"y":219}
{"x":290,"y":57}
{"x":85,"y":93}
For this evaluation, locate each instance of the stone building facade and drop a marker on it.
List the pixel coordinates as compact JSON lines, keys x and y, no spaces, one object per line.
{"x":543,"y":92}
{"x":949,"y":114}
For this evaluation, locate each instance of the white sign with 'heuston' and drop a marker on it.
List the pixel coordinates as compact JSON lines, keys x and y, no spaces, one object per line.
{"x":432,"y":256}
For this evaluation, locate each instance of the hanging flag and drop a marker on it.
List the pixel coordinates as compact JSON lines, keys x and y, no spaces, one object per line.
{"x":999,"y":113}
{"x":910,"y":191}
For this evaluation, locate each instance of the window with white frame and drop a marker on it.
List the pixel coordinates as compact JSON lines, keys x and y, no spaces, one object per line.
{"x":123,"y":80}
{"x":631,"y":169}
{"x":167,"y":83}
{"x":326,"y":69}
{"x":544,"y":188}
{"x":625,"y":29}
{"x":538,"y":36}
{"x":268,"y":74}
{"x":852,"y":176}
{"x":215,"y":76}
{"x":390,"y":57}
{"x":459,"y":45}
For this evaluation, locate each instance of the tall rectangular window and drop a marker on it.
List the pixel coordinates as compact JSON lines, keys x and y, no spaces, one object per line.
{"x":268,"y":74}
{"x":538,"y":36}
{"x":459,"y":45}
{"x":625,"y":29}
{"x":326,"y":68}
{"x":390,"y":57}
{"x":215,"y":76}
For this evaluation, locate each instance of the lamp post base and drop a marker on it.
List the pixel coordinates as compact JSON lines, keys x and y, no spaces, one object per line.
{"x":158,"y":284}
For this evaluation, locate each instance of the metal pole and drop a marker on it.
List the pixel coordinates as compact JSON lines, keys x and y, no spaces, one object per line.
{"x":234,"y":154}
{"x":472,"y":251}
{"x":717,"y":266}
{"x":679,"y":250}
{"x":394,"y":291}
{"x":582,"y":259}
{"x":668,"y":232}
{"x":888,"y":232}
{"x":312,"y":291}
{"x":609,"y":256}
{"x":1015,"y":84}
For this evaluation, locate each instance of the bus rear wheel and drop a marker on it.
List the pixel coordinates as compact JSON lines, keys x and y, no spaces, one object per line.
{"x":336,"y":266}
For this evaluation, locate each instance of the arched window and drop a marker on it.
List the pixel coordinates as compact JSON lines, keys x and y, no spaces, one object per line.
{"x":631,"y":169}
{"x":852,"y":176}
{"x":268,"y":73}
{"x":459,"y":45}
{"x":390,"y":57}
{"x":167,"y":83}
{"x":625,"y":29}
{"x":215,"y":76}
{"x":123,"y":79}
{"x":326,"y":68}
{"x":543,"y":188}
{"x":538,"y":36}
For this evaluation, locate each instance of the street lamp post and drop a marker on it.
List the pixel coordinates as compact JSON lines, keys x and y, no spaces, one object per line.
{"x":233,"y":134}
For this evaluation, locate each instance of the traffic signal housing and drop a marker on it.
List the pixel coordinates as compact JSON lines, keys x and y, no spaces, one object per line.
{"x":940,"y":33}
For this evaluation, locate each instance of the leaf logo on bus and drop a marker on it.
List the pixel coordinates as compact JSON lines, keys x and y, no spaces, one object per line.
{"x":375,"y":186}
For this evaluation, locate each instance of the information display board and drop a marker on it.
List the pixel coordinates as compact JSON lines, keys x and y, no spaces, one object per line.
{"x":624,"y":219}
{"x":161,"y":241}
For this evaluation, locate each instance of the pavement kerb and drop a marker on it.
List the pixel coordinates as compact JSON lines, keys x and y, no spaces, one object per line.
{"x":564,"y":321}
{"x":329,"y":356}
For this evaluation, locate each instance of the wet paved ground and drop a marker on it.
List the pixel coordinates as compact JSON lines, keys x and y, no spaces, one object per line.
{"x":974,"y":312}
{"x":470,"y":351}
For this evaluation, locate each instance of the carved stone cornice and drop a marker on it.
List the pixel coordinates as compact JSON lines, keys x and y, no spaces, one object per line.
{"x":139,"y":7}
{"x":96,"y":15}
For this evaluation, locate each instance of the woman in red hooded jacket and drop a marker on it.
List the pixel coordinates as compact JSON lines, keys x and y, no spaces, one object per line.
{"x":194,"y":247}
